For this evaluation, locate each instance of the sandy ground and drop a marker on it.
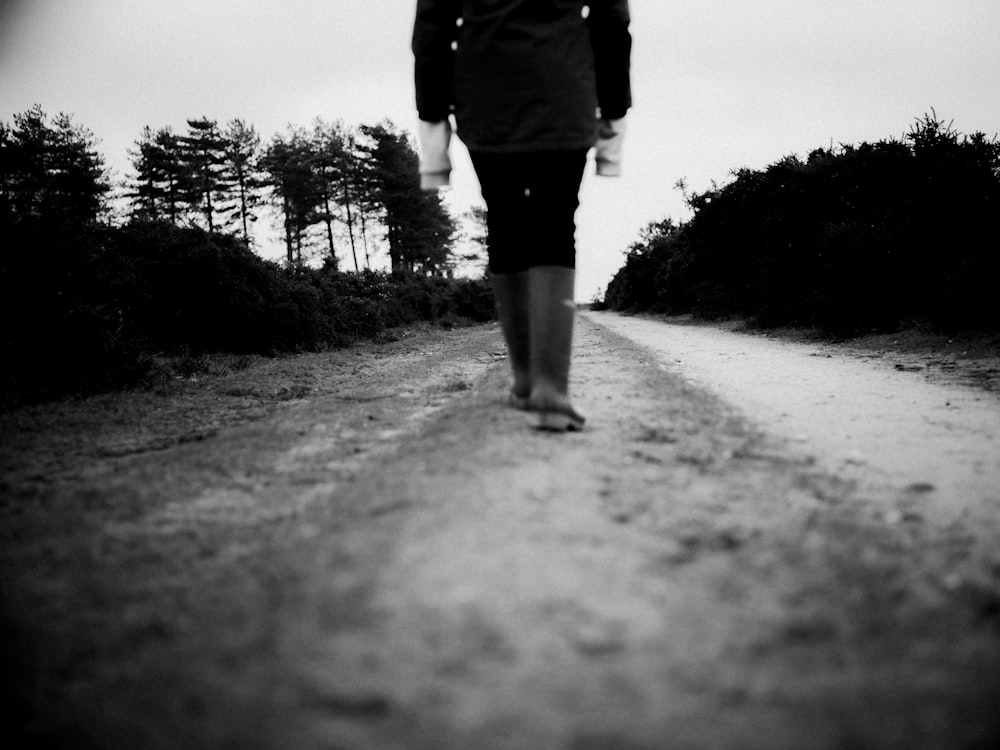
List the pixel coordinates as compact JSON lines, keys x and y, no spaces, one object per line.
{"x":886,"y":425}
{"x":755,"y":544}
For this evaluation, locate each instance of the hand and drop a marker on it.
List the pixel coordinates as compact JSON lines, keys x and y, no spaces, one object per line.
{"x":435,"y":163}
{"x":610,"y":136}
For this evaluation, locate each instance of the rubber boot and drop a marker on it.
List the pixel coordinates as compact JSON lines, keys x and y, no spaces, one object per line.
{"x":510,"y":290}
{"x":553,"y":311}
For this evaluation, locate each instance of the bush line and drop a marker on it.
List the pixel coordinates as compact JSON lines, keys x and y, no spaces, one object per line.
{"x":855,"y":239}
{"x":90,"y":311}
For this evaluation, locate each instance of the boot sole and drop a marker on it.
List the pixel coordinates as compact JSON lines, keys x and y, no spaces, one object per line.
{"x":555,"y":421}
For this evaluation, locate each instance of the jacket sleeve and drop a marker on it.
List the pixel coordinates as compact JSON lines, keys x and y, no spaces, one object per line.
{"x":434,"y":33}
{"x":609,"y":21}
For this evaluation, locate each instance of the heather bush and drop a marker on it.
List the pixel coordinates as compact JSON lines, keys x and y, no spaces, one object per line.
{"x":90,"y":310}
{"x":852,"y":239}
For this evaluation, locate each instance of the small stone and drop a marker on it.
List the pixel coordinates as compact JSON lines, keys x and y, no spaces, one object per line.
{"x":893,"y":517}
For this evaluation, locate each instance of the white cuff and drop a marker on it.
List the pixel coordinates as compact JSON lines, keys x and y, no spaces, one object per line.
{"x":610,"y":136}
{"x":435,"y":164}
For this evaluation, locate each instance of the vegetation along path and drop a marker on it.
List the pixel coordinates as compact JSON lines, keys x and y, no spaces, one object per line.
{"x":755,"y":544}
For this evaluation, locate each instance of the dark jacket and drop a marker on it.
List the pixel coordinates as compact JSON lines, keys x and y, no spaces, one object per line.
{"x":522,"y":75}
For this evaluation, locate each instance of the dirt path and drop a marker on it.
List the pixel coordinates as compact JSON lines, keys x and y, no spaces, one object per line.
{"x":364,"y":549}
{"x":887,"y":425}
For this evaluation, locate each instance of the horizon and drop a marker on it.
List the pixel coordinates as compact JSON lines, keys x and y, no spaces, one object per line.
{"x":717,"y":86}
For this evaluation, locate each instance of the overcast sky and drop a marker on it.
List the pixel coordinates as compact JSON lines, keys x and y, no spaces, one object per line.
{"x":718,"y":84}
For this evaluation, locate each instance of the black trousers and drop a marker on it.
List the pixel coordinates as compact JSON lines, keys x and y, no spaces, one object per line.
{"x":531,"y":201}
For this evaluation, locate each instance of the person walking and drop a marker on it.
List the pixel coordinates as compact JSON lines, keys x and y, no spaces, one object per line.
{"x":532,"y":85}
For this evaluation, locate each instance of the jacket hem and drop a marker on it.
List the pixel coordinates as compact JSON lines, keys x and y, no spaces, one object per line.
{"x":583,"y":144}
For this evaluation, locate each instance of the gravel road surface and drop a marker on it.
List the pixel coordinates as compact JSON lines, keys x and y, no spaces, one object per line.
{"x":755,"y":544}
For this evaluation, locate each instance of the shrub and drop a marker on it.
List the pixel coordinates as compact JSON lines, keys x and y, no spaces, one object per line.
{"x":852,"y":239}
{"x":87,"y":312}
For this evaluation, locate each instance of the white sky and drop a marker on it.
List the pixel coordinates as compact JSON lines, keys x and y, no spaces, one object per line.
{"x":717,"y":84}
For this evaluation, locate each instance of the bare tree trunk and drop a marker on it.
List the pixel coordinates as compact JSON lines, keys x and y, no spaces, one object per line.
{"x":350,"y":222}
{"x":350,"y":233}
{"x":288,"y":232}
{"x":208,"y":202}
{"x":243,"y":207}
{"x":395,"y":256}
{"x":172,"y":201}
{"x":329,"y":227}
{"x":364,"y":238}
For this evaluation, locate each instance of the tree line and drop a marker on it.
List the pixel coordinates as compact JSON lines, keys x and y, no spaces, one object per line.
{"x":330,"y":184}
{"x":849,"y":240}
{"x":101,"y":284}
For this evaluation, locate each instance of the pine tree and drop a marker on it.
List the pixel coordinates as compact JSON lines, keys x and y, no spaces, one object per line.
{"x":288,"y":162}
{"x":26,"y":156}
{"x":78,"y":180}
{"x":6,"y":174}
{"x":419,"y":229}
{"x":243,"y":155}
{"x":52,"y":175}
{"x":358,"y":192}
{"x":144,"y":190}
{"x":159,"y":186}
{"x":203,"y":152}
{"x":474,"y":238}
{"x":329,"y":162}
{"x":172,"y":172}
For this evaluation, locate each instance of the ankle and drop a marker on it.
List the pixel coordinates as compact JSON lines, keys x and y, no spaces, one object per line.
{"x":521,"y":384}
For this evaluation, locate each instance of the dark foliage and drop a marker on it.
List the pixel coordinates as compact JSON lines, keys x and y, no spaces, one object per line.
{"x":419,"y":228}
{"x":853,"y":239}
{"x":89,"y":310}
{"x":87,"y":306}
{"x":362,"y":180}
{"x":50,"y":173}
